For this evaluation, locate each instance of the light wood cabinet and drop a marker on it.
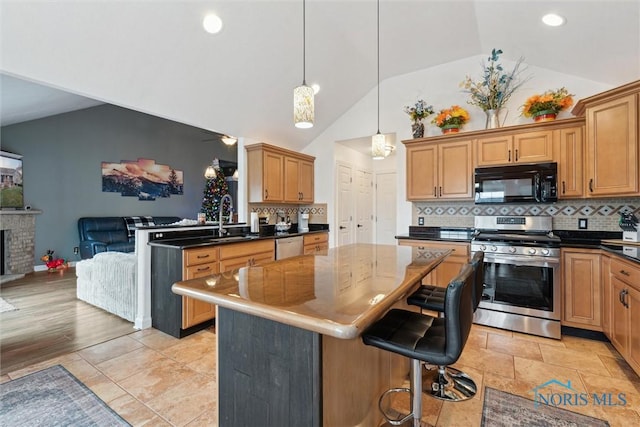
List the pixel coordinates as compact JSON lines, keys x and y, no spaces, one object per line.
{"x":450,"y":267}
{"x":315,"y":243}
{"x":526,"y":147}
{"x":277,"y":175}
{"x":298,"y":180}
{"x":607,"y":292}
{"x":611,"y":142}
{"x":244,"y":254}
{"x":198,"y":262}
{"x":625,"y":310}
{"x":582,"y":297}
{"x":440,"y":171}
{"x":570,"y":148}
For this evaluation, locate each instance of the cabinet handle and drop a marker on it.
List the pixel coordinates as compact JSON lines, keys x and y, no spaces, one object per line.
{"x":509,"y":159}
{"x":421,"y":248}
{"x":203,"y":268}
{"x":440,"y":191}
{"x":591,"y":185}
{"x":266,"y":193}
{"x":342,"y":227}
{"x":202,"y":256}
{"x":563,"y":187}
{"x":300,"y":196}
{"x":516,"y":155}
{"x":359,"y":225}
{"x":626,"y":273}
{"x":624,"y":299}
{"x":435,"y":192}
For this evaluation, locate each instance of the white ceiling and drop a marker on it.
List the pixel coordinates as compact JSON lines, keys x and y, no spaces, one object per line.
{"x":154,"y":57}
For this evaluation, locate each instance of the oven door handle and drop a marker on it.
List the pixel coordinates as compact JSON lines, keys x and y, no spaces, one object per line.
{"x":524,"y":261}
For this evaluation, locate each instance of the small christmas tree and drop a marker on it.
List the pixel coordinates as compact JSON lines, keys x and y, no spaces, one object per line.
{"x":215,"y":187}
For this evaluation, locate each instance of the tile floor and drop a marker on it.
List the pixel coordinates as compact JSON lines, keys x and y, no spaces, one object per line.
{"x":153,"y":379}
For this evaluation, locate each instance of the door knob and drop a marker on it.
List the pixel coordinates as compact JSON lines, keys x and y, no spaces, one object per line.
{"x":342,"y":227}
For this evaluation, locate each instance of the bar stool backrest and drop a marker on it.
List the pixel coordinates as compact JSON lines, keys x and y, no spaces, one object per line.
{"x":458,"y":311}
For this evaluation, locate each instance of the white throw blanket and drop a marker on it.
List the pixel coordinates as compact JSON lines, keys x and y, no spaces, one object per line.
{"x":109,"y":281}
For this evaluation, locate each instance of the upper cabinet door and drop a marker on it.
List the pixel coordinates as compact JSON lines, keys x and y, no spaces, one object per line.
{"x":422,"y":172}
{"x":273,"y":177}
{"x":291,"y":173}
{"x":455,"y":170}
{"x":494,"y":150}
{"x":533,"y":147}
{"x":612,"y":147}
{"x":570,"y":166}
{"x":306,"y":181}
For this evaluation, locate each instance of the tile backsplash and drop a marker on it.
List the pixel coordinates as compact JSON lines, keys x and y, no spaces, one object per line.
{"x":317,"y":212}
{"x":602,"y":214}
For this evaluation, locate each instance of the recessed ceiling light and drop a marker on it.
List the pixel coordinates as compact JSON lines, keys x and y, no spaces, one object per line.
{"x":212,"y":23}
{"x":316,"y":88}
{"x":553,"y":20}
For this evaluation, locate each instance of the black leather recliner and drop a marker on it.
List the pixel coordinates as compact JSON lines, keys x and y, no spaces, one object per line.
{"x":434,"y":340}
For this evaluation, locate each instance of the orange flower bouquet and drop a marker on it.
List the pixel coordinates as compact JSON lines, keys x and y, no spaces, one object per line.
{"x":451,"y":118}
{"x":550,"y":103}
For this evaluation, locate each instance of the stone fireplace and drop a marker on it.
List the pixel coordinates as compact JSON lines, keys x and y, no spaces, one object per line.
{"x":18,"y":242}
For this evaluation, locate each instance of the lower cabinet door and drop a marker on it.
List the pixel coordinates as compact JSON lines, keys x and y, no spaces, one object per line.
{"x":619,"y":317}
{"x":195,"y":311}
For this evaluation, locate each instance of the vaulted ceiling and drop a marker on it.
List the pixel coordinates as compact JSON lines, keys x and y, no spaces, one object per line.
{"x":155,"y":57}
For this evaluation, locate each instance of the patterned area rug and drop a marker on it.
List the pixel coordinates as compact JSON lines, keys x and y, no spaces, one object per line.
{"x":506,"y":409}
{"x":5,"y":306}
{"x":53,"y":397}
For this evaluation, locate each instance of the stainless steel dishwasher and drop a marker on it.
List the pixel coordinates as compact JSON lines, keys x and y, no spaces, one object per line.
{"x":287,"y":247}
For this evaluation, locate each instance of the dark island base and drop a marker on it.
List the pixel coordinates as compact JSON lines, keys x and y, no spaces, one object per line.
{"x":268,"y":373}
{"x":282,"y":375}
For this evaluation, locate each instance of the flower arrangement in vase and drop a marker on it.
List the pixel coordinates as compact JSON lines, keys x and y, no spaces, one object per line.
{"x":418,"y":112}
{"x":547,"y":106}
{"x":451,"y":119}
{"x":496,"y":86}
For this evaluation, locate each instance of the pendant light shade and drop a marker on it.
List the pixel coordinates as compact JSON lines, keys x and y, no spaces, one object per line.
{"x":378,"y":146}
{"x":303,"y":108}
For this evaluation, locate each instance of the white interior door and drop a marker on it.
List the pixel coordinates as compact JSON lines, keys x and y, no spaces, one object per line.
{"x":344,"y":204}
{"x":385,"y":192}
{"x":364,"y":207}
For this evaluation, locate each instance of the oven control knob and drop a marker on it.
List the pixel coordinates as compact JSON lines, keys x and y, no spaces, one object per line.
{"x":483,"y":248}
{"x":545,"y":252}
{"x":494,"y":248}
{"x":512,"y":250}
{"x":532,"y":251}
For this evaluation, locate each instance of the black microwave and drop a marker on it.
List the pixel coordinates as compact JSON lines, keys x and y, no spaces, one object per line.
{"x":528,"y":183}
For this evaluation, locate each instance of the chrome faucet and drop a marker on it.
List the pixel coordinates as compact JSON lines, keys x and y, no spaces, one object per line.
{"x":222,"y":231}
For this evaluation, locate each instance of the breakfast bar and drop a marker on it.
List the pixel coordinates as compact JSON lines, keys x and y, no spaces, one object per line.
{"x":288,"y":334}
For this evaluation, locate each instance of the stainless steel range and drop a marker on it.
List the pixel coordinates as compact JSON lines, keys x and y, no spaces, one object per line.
{"x":522,"y":274}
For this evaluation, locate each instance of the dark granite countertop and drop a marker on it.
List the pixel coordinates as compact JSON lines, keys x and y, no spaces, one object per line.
{"x":178,"y":240}
{"x":569,"y":239}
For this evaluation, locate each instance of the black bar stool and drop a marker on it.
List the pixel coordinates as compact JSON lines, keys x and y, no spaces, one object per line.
{"x":429,"y":297}
{"x":423,"y":338}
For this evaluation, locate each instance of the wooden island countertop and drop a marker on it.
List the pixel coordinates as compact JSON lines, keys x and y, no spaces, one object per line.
{"x":338,"y":294}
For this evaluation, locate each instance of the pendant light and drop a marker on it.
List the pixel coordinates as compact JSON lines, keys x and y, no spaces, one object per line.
{"x":378,"y":144}
{"x":303,"y":95}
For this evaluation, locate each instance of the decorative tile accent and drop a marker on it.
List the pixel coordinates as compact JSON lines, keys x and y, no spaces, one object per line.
{"x":317,"y":212}
{"x":587,"y":210}
{"x":603,"y":213}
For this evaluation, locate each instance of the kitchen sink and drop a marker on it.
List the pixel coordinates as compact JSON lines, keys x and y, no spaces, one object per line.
{"x":228,"y":239}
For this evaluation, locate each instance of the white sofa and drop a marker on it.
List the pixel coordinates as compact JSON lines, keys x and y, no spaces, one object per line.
{"x":109,"y":281}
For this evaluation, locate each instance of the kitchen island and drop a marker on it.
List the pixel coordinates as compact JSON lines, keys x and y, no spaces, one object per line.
{"x":288,"y":334}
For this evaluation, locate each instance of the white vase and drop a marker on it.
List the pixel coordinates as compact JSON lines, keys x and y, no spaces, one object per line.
{"x":493,"y":119}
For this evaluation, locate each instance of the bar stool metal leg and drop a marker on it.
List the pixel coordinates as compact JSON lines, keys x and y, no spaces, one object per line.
{"x":412,"y":418}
